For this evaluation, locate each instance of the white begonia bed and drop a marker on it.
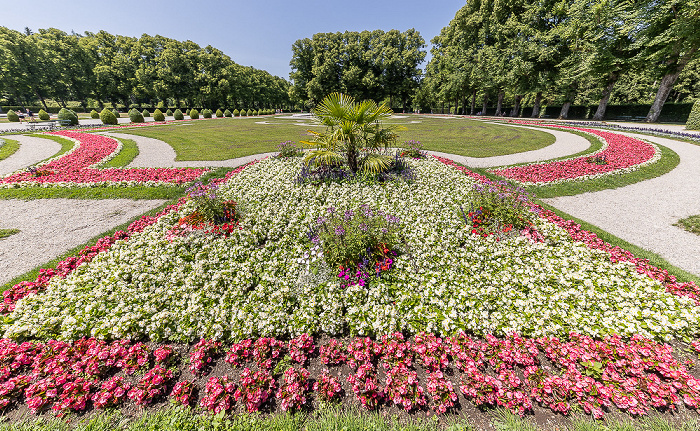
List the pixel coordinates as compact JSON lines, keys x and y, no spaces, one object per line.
{"x":263,"y":279}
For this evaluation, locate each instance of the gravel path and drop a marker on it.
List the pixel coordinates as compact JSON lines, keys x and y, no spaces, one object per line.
{"x":154,"y":153}
{"x":566,"y":144}
{"x":50,"y":227}
{"x":643,"y":213}
{"x":31,"y":151}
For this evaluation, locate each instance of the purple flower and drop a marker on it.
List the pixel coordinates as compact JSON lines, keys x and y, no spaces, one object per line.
{"x":321,"y":220}
{"x":349,"y":215}
{"x":340,"y":230}
{"x":363,"y":227}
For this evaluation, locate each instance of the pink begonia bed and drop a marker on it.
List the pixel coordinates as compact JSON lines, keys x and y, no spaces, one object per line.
{"x":77,"y":168}
{"x":635,"y":376}
{"x":619,"y":154}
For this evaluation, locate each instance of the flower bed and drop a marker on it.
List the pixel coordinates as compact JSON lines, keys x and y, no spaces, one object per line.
{"x":79,"y":168}
{"x":264,"y":280}
{"x":619,"y":154}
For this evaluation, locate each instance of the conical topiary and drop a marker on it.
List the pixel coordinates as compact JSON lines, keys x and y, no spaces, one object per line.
{"x":67,"y":114}
{"x":219,"y":113}
{"x":206,"y":113}
{"x":93,"y":114}
{"x":12,"y":116}
{"x":250,"y":112}
{"x":178,"y":115}
{"x":236,"y":113}
{"x":227,"y":113}
{"x":158,"y":116}
{"x":693,"y":122}
{"x":116,"y":113}
{"x":108,"y":117}
{"x":135,"y":116}
{"x":194,"y":114}
{"x":145,"y":113}
{"x":169,"y":113}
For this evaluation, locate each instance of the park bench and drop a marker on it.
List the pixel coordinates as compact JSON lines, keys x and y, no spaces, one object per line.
{"x":50,"y":124}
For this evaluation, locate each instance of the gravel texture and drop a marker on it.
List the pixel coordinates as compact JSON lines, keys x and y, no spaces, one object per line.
{"x":154,"y":153}
{"x":50,"y":227}
{"x":565,"y":144}
{"x":31,"y":151}
{"x":643,"y":213}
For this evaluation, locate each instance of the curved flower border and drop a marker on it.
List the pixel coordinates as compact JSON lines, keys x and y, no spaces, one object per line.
{"x":622,"y":153}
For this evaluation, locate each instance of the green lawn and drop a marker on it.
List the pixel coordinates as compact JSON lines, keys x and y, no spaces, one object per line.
{"x":228,"y":138}
{"x":691,"y":224}
{"x":8,"y":148}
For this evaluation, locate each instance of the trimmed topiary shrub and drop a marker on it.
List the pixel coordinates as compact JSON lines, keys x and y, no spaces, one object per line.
{"x":249,"y":113}
{"x":108,"y":117}
{"x":145,"y":113}
{"x":236,"y":113}
{"x":194,"y":114}
{"x":93,"y":114}
{"x":227,"y":113}
{"x":693,"y":122}
{"x":158,"y":116}
{"x":219,"y":113}
{"x":135,"y":116}
{"x":67,"y":114}
{"x":178,"y":115}
{"x":169,"y":113}
{"x":206,"y":113}
{"x":116,"y":113}
{"x":12,"y":116}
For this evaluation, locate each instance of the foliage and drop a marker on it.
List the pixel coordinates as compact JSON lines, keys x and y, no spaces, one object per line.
{"x":158,"y":115}
{"x":227,"y":113}
{"x":168,"y":113}
{"x":135,"y":116}
{"x":108,"y":117}
{"x":693,"y":122}
{"x":288,"y":149}
{"x":236,"y":113}
{"x":414,"y":150}
{"x":93,"y":114}
{"x":496,"y":208}
{"x":249,"y":113}
{"x":209,"y":206}
{"x":219,"y":113}
{"x":67,"y":114}
{"x":691,"y":224}
{"x":206,"y":113}
{"x":145,"y":113}
{"x":351,"y":127}
{"x":194,"y":114}
{"x":178,"y":115}
{"x":12,"y":116}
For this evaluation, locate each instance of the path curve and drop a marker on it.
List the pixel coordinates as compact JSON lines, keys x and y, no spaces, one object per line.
{"x":565,"y":144}
{"x":154,"y":153}
{"x":31,"y":151}
{"x":644,"y":213}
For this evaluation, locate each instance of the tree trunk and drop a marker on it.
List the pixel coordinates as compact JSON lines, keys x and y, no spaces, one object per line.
{"x":665,"y":88}
{"x":485,"y":104}
{"x":442,"y":108}
{"x":352,"y":159}
{"x":603,"y":105}
{"x":473,"y":102}
{"x":516,"y":106}
{"x":464,"y":104}
{"x":564,"y":113}
{"x":457,"y":106}
{"x":43,"y":102}
{"x":536,"y":106}
{"x":499,"y":103}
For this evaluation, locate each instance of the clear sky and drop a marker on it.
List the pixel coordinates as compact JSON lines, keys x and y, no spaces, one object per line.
{"x":256,"y":33}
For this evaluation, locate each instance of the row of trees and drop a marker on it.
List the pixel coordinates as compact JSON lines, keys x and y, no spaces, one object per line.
{"x":564,"y":51}
{"x":52,"y":64}
{"x":373,"y":65}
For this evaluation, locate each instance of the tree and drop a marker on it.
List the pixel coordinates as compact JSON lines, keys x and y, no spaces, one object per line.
{"x":351,"y":127}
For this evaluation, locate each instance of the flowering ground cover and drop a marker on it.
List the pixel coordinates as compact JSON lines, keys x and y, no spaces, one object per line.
{"x":591,"y":317}
{"x":80,"y":167}
{"x":619,"y":154}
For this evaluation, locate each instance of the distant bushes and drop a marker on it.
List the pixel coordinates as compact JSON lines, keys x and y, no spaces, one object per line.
{"x":219,"y":113}
{"x":145,"y":113}
{"x":108,"y":117}
{"x":67,"y":114}
{"x":158,"y":115}
{"x":135,"y":116}
{"x":12,"y":116}
{"x":236,"y":113}
{"x":194,"y":114}
{"x":227,"y":113}
{"x":693,"y":122}
{"x":178,"y":115}
{"x":206,"y":113}
{"x":249,"y":113}
{"x":93,"y":114}
{"x":169,"y":113}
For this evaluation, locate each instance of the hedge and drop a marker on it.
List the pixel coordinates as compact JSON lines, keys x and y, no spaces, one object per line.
{"x":108,"y":117}
{"x":158,"y":115}
{"x":178,"y":115}
{"x":67,"y":114}
{"x":12,"y":116}
{"x":693,"y":122}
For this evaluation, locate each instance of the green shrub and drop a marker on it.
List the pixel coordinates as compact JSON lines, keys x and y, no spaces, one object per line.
{"x":194,"y":114}
{"x":116,"y":113}
{"x":178,"y":115}
{"x":169,"y":113}
{"x":219,"y":113}
{"x":12,"y":116}
{"x":227,"y":113}
{"x":93,"y":114}
{"x":206,"y":113}
{"x":161,"y":105}
{"x":249,"y":113}
{"x":693,"y":122}
{"x":44,"y":116}
{"x":243,"y":113}
{"x":236,"y":113}
{"x":67,"y":114}
{"x":135,"y":116}
{"x":158,"y":116}
{"x":145,"y":113}
{"x":108,"y":117}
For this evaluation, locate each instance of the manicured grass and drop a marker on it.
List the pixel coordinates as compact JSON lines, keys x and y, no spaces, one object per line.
{"x":4,"y":233}
{"x":135,"y":192}
{"x":128,"y":153}
{"x":8,"y":148}
{"x":227,"y":138}
{"x":691,"y":224}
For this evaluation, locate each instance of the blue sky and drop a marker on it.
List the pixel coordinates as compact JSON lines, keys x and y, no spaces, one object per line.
{"x":253,"y":33}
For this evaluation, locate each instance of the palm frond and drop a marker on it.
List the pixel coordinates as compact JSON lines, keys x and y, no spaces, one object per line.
{"x":376,"y":163}
{"x":323,"y":158}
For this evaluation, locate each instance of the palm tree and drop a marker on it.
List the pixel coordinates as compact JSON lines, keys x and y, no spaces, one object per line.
{"x":350,"y":127}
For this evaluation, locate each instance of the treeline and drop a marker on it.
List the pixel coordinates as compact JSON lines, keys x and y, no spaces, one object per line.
{"x":373,"y":65}
{"x":564,"y":53}
{"x":101,"y":67}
